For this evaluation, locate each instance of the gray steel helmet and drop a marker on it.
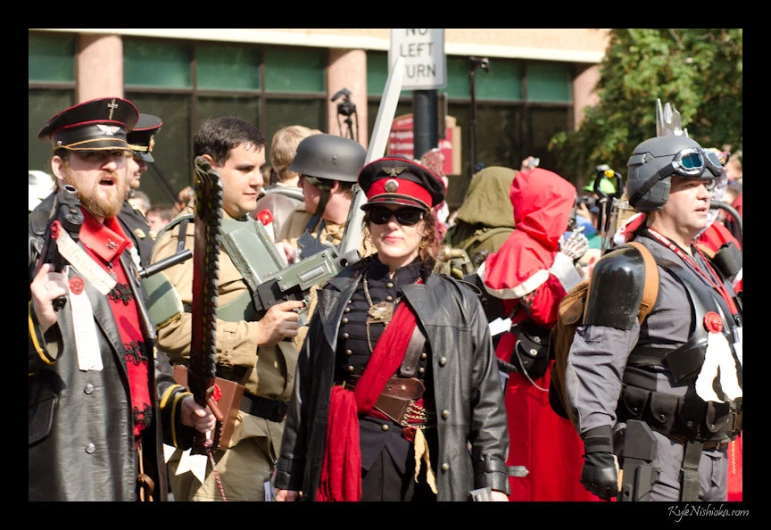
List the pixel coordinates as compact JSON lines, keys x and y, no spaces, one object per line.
{"x":648,"y":181}
{"x":329,"y":157}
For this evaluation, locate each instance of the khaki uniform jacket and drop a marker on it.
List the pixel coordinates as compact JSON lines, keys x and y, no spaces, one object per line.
{"x":294,"y":226}
{"x":265,"y":371}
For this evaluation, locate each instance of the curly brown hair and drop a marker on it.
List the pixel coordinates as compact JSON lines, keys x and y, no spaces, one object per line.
{"x":429,"y":244}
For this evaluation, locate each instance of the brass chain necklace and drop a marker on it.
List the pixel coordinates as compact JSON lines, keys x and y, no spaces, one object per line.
{"x":380,"y":313}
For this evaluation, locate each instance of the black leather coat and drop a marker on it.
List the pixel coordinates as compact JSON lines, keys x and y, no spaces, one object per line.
{"x":81,"y":441}
{"x":467,"y":390}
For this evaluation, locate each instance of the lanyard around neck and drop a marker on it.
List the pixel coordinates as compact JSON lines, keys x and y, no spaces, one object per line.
{"x":710,"y":276}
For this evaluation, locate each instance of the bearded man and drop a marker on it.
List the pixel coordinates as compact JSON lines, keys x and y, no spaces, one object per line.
{"x":101,"y":399}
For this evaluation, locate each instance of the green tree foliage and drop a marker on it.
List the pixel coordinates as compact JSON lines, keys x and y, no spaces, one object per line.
{"x":699,"y":71}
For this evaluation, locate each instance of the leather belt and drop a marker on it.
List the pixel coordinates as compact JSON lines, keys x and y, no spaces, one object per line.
{"x":400,"y":387}
{"x":270,"y":409}
{"x":397,"y":400}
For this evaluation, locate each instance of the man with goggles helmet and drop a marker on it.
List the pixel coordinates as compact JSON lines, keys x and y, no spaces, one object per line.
{"x":661,"y":398}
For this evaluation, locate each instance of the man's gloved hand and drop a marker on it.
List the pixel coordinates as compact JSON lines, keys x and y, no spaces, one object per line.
{"x":600,"y":473}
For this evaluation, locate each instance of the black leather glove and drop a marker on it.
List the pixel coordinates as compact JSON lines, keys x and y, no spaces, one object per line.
{"x":600,"y":475}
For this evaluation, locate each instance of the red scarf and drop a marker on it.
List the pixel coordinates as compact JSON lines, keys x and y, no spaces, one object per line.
{"x":341,"y":467}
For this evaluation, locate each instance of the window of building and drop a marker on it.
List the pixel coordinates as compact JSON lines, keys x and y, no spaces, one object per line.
{"x":51,"y":89}
{"x":520,"y":105}
{"x":202,"y":81}
{"x":549,"y":82}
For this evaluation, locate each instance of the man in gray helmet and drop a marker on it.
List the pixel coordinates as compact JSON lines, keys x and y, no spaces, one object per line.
{"x":328,"y":166}
{"x":661,"y":398}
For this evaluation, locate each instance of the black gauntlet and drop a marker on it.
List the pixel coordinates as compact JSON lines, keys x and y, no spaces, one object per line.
{"x":600,"y":475}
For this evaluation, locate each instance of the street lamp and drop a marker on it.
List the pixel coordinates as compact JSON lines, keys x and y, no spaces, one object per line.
{"x":484,"y":64}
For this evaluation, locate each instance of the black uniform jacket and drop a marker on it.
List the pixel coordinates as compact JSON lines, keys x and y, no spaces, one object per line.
{"x":81,"y":441}
{"x":469,"y":399}
{"x":136,"y":228}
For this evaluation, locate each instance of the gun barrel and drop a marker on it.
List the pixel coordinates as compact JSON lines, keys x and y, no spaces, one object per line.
{"x":166,"y":263}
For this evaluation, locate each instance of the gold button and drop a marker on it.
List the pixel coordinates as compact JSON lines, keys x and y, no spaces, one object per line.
{"x":445,"y":414}
{"x":390,"y":298}
{"x":345,"y":335}
{"x":442,"y":361}
{"x":445,"y":466}
{"x":421,"y":370}
{"x":348,"y":352}
{"x":350,"y":368}
{"x":390,"y":285}
{"x":423,"y":355}
{"x":347,"y":309}
{"x":345,"y":320}
{"x":384,"y":427}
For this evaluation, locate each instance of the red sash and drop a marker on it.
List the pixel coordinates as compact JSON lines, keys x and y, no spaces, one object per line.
{"x":341,"y":467}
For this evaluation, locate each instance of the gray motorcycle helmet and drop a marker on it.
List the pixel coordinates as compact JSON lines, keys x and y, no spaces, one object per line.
{"x":645,"y":189}
{"x":330,"y":157}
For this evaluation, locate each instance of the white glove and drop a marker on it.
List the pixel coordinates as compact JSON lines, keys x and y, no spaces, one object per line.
{"x":576,"y":245}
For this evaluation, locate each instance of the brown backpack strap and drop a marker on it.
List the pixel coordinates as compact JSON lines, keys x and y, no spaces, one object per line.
{"x":651,"y":289}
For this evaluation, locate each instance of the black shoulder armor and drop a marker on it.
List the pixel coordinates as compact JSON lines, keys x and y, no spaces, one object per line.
{"x":616,"y":289}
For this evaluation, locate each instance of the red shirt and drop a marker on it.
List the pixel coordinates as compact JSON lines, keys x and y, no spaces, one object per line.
{"x":105,"y":242}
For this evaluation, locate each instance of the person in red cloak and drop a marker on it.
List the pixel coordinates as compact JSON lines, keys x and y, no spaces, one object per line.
{"x":531,"y":276}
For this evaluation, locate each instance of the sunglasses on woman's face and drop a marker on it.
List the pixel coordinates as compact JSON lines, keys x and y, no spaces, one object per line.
{"x":406,"y":216}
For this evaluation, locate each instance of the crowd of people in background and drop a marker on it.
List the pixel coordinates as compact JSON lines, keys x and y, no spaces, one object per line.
{"x":419,"y":373}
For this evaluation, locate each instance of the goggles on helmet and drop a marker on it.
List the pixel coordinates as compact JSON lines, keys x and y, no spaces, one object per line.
{"x":688,"y":163}
{"x":692,"y":162}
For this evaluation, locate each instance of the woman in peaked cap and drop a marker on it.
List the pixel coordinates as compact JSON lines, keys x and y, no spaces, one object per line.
{"x":397,"y":375}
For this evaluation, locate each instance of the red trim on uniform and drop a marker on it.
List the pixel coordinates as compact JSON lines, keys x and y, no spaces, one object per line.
{"x":406,"y":187}
{"x":92,"y":122}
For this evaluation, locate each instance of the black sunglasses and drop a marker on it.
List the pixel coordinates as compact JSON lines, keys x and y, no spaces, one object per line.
{"x":406,"y":216}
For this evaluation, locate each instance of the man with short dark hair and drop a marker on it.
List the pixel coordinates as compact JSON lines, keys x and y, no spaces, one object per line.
{"x":101,"y":398}
{"x":252,"y":350}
